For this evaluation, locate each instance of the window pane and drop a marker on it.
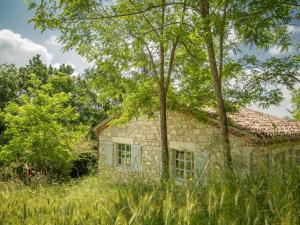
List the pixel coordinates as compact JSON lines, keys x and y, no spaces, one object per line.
{"x":181,"y":155}
{"x":184,"y":164}
{"x":190,"y":166}
{"x":124,"y":155}
{"x":180,"y":174}
{"x":181,"y":164}
{"x":190,"y":156}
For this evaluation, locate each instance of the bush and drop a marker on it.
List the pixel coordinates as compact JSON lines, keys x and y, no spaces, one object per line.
{"x":42,"y":129}
{"x":83,"y":165}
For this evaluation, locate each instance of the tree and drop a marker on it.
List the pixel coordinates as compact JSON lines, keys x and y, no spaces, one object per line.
{"x":258,"y":23}
{"x":9,"y":84}
{"x":138,"y":43}
{"x":41,"y":129}
{"x":34,"y":66}
{"x":91,"y":108}
{"x":235,"y":81}
{"x":9,"y":88}
{"x":140,"y":27}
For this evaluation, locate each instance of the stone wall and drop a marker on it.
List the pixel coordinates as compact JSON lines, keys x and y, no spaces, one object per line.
{"x":275,"y":149}
{"x":184,"y":132}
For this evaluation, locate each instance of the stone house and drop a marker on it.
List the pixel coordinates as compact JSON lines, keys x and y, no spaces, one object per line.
{"x":194,"y":144}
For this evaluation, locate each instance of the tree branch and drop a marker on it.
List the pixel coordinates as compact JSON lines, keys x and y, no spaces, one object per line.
{"x":141,"y":11}
{"x":173,"y":50}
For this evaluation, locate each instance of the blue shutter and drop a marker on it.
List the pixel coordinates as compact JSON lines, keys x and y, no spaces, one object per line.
{"x":136,"y":157}
{"x":201,"y":162}
{"x":109,"y":153}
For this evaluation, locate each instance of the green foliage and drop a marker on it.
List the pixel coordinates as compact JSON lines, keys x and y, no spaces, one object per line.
{"x":41,"y":129}
{"x":126,"y":49}
{"x":86,"y":158}
{"x":262,"y":82}
{"x":296,"y":104}
{"x":9,"y":84}
{"x":34,"y":66}
{"x":263,"y":198}
{"x":9,"y":88}
{"x":121,"y":30}
{"x":16,"y":81}
{"x":83,"y":165}
{"x":245,"y":79}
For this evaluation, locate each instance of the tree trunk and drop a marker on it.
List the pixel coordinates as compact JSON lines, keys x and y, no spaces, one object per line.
{"x":164,"y":134}
{"x":204,"y":8}
{"x":163,"y":102}
{"x":223,"y":121}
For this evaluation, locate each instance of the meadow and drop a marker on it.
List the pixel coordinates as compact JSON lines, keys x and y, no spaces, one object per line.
{"x":262,"y":198}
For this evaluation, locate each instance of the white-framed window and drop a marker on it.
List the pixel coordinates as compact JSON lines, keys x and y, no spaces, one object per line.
{"x":184,"y":164}
{"x":124,"y":155}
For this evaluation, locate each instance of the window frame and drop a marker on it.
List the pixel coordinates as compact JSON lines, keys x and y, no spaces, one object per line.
{"x":188,"y":159}
{"x":119,"y":156}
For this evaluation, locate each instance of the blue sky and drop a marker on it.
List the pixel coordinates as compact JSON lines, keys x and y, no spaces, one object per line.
{"x":19,"y":42}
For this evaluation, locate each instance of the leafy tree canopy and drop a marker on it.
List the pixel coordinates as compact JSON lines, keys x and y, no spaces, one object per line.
{"x":41,"y":129}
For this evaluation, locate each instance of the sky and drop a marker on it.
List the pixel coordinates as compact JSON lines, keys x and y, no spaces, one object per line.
{"x":19,"y":42}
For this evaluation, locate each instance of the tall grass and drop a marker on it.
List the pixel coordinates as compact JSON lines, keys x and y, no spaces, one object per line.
{"x":262,"y":198}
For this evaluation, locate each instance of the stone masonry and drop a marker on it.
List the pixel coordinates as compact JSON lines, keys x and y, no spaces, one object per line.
{"x":185,"y":132}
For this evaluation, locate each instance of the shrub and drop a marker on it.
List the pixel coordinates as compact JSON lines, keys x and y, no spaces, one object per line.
{"x":83,"y":165}
{"x":42,"y":130}
{"x":85,"y":160}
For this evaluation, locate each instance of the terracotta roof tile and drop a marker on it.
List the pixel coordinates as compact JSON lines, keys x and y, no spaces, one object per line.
{"x":264,"y":124}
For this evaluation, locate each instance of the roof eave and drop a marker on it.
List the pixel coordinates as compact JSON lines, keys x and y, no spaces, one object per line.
{"x":105,"y":123}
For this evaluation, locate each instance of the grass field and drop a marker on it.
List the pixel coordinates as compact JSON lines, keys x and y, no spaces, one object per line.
{"x":260,"y":199}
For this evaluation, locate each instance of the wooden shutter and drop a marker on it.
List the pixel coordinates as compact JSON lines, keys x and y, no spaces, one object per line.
{"x":201,"y":162}
{"x":136,"y":157}
{"x":109,"y":153}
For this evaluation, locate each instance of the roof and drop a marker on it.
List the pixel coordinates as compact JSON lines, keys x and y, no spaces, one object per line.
{"x":264,"y":124}
{"x":105,"y":123}
{"x":247,"y":121}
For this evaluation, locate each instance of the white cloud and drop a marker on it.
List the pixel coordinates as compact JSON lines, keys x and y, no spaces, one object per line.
{"x":293,"y":28}
{"x":276,"y":50}
{"x":52,"y":41}
{"x":18,"y":50}
{"x":231,"y":35}
{"x":70,"y":56}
